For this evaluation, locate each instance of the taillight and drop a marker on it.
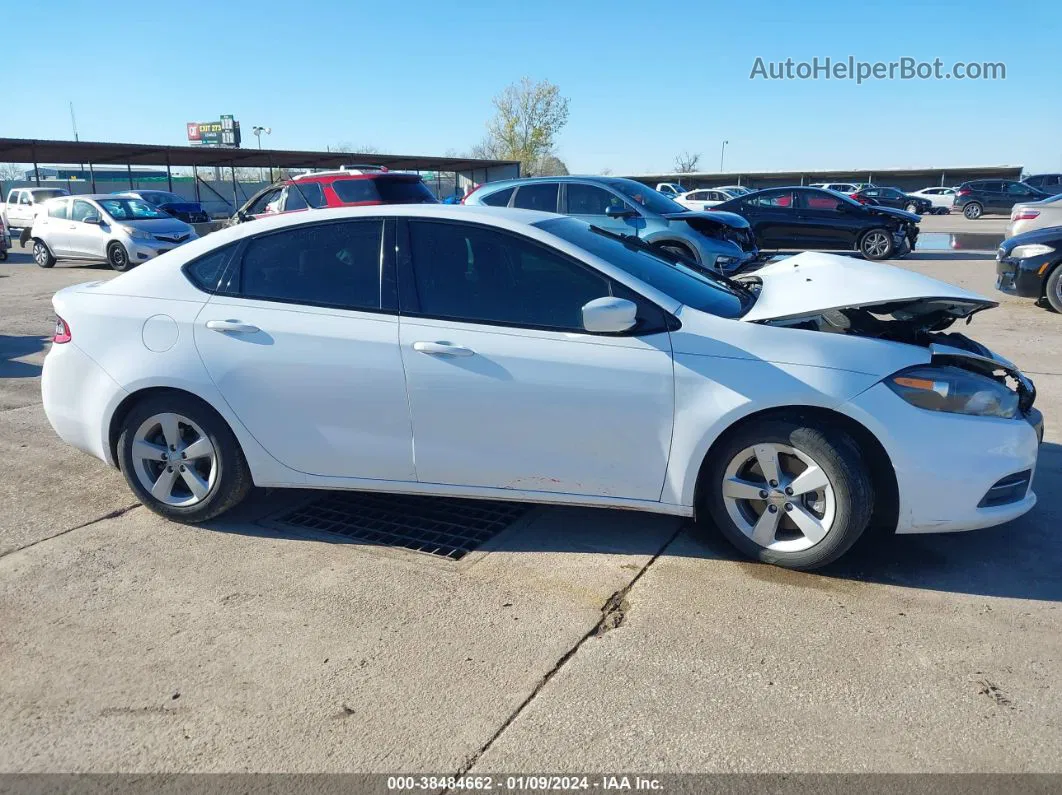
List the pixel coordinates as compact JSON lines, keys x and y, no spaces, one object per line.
{"x":1023,"y":214}
{"x":62,"y":331}
{"x":963,"y":193}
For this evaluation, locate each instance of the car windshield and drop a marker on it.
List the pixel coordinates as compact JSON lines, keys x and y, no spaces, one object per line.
{"x":646,"y":197}
{"x":122,"y":209}
{"x":703,"y":291}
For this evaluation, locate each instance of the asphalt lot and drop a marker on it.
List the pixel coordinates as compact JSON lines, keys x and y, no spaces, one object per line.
{"x":579,"y":640}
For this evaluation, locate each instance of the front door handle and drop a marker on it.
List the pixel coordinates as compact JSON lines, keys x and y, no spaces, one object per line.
{"x":442,"y":349}
{"x":234,"y":326}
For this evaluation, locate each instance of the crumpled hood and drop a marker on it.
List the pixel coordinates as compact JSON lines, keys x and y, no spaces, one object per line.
{"x":811,"y":282}
{"x":892,"y":212}
{"x":720,"y":217}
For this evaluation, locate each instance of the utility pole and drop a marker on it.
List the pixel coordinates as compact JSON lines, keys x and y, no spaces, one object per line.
{"x":721,"y":153}
{"x":258,"y":134}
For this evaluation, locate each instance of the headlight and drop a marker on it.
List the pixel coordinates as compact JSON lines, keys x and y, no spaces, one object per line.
{"x":1030,"y":250}
{"x":954,"y":390}
{"x":136,"y":234}
{"x":724,"y":262}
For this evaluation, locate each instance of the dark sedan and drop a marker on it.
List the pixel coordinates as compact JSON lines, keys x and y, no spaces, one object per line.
{"x":1030,"y":265}
{"x":893,"y":197}
{"x":170,"y":203}
{"x":813,"y":218}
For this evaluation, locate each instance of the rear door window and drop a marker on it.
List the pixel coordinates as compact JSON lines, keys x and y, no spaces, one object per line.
{"x":302,"y":196}
{"x":400,"y":190}
{"x":537,"y":196}
{"x":60,"y":208}
{"x":592,"y":200}
{"x":772,"y":199}
{"x":336,"y":264}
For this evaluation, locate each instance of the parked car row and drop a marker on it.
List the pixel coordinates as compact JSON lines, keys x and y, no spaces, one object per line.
{"x":525,"y":355}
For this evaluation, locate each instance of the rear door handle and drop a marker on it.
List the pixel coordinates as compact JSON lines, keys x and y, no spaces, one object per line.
{"x":442,"y":349}
{"x":234,"y":326}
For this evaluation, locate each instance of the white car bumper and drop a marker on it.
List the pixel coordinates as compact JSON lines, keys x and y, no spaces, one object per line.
{"x":76,"y":393}
{"x":946,"y":464}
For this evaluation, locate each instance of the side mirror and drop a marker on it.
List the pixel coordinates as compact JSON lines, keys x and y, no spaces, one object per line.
{"x":243,"y":216}
{"x":91,"y":219}
{"x":609,"y":315}
{"x":612,"y":211}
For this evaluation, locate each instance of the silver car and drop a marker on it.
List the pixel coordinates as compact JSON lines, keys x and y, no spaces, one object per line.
{"x":1028,"y":216}
{"x":716,"y":241}
{"x":119,"y":230}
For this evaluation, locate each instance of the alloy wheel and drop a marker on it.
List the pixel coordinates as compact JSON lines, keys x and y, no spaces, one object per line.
{"x":876,"y":244}
{"x":174,"y":460}
{"x":40,"y":254}
{"x":779,"y":497}
{"x":972,"y":211}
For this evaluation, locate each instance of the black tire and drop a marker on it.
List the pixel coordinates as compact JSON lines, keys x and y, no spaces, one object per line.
{"x":3,"y":255}
{"x":1053,"y":288}
{"x":835,"y":452}
{"x":677,"y":250}
{"x":42,"y":255}
{"x":232,"y":481}
{"x":118,"y":257}
{"x":871,"y":246}
{"x":973,"y":211}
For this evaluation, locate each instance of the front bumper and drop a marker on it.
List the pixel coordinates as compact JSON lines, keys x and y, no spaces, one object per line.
{"x":1022,"y":277}
{"x":945,"y":464}
{"x":141,"y":250}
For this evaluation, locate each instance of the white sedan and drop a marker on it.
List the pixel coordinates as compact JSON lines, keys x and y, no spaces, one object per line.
{"x":506,"y":354}
{"x":938,"y":196}
{"x":704,"y":198}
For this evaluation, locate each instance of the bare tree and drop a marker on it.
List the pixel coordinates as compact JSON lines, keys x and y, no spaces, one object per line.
{"x":606,"y":172}
{"x":528,"y":117}
{"x":687,"y":162}
{"x":11,"y":171}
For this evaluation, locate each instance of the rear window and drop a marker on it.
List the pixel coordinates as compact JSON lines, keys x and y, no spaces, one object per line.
{"x":404,"y":191}
{"x":499,"y":198}
{"x":389,"y":191}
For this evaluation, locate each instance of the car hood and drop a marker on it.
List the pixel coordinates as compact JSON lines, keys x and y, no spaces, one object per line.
{"x":181,"y":207}
{"x":160,"y":226}
{"x":811,"y":284}
{"x":891,"y":212}
{"x":1048,"y":235}
{"x":716,"y":216}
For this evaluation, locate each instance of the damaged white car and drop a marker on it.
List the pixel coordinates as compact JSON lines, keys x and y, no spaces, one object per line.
{"x":506,"y":354}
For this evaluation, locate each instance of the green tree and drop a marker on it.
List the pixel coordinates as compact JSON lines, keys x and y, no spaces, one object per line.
{"x":528,"y":117}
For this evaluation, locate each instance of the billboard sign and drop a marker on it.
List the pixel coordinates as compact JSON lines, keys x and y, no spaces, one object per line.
{"x":223,"y":132}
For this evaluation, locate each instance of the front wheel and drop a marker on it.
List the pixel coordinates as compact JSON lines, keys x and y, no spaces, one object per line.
{"x":181,"y":459}
{"x":42,"y":255}
{"x":1053,"y":288}
{"x":912,"y":208}
{"x":973,"y":211}
{"x":118,"y":257}
{"x":876,"y":244}
{"x":792,"y":492}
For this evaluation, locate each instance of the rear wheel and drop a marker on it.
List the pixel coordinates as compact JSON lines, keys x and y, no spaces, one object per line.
{"x":181,"y":459}
{"x":118,"y":257}
{"x":876,"y":244}
{"x":788,"y":491}
{"x":1053,"y":288}
{"x":42,"y":255}
{"x":973,"y":211}
{"x":912,"y":208}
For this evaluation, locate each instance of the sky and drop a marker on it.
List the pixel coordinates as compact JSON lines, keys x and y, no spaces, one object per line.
{"x":645,"y":80}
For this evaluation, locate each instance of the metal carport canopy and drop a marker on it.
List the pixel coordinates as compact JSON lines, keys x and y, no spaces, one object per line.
{"x":29,"y":150}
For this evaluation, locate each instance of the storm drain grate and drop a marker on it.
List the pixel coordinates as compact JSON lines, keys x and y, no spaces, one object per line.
{"x":441,"y":526}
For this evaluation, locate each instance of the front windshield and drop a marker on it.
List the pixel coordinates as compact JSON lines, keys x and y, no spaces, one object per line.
{"x":703,"y":291}
{"x":646,"y":197}
{"x":122,"y":209}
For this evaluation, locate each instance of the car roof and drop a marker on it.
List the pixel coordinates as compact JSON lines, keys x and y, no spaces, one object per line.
{"x":596,"y":178}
